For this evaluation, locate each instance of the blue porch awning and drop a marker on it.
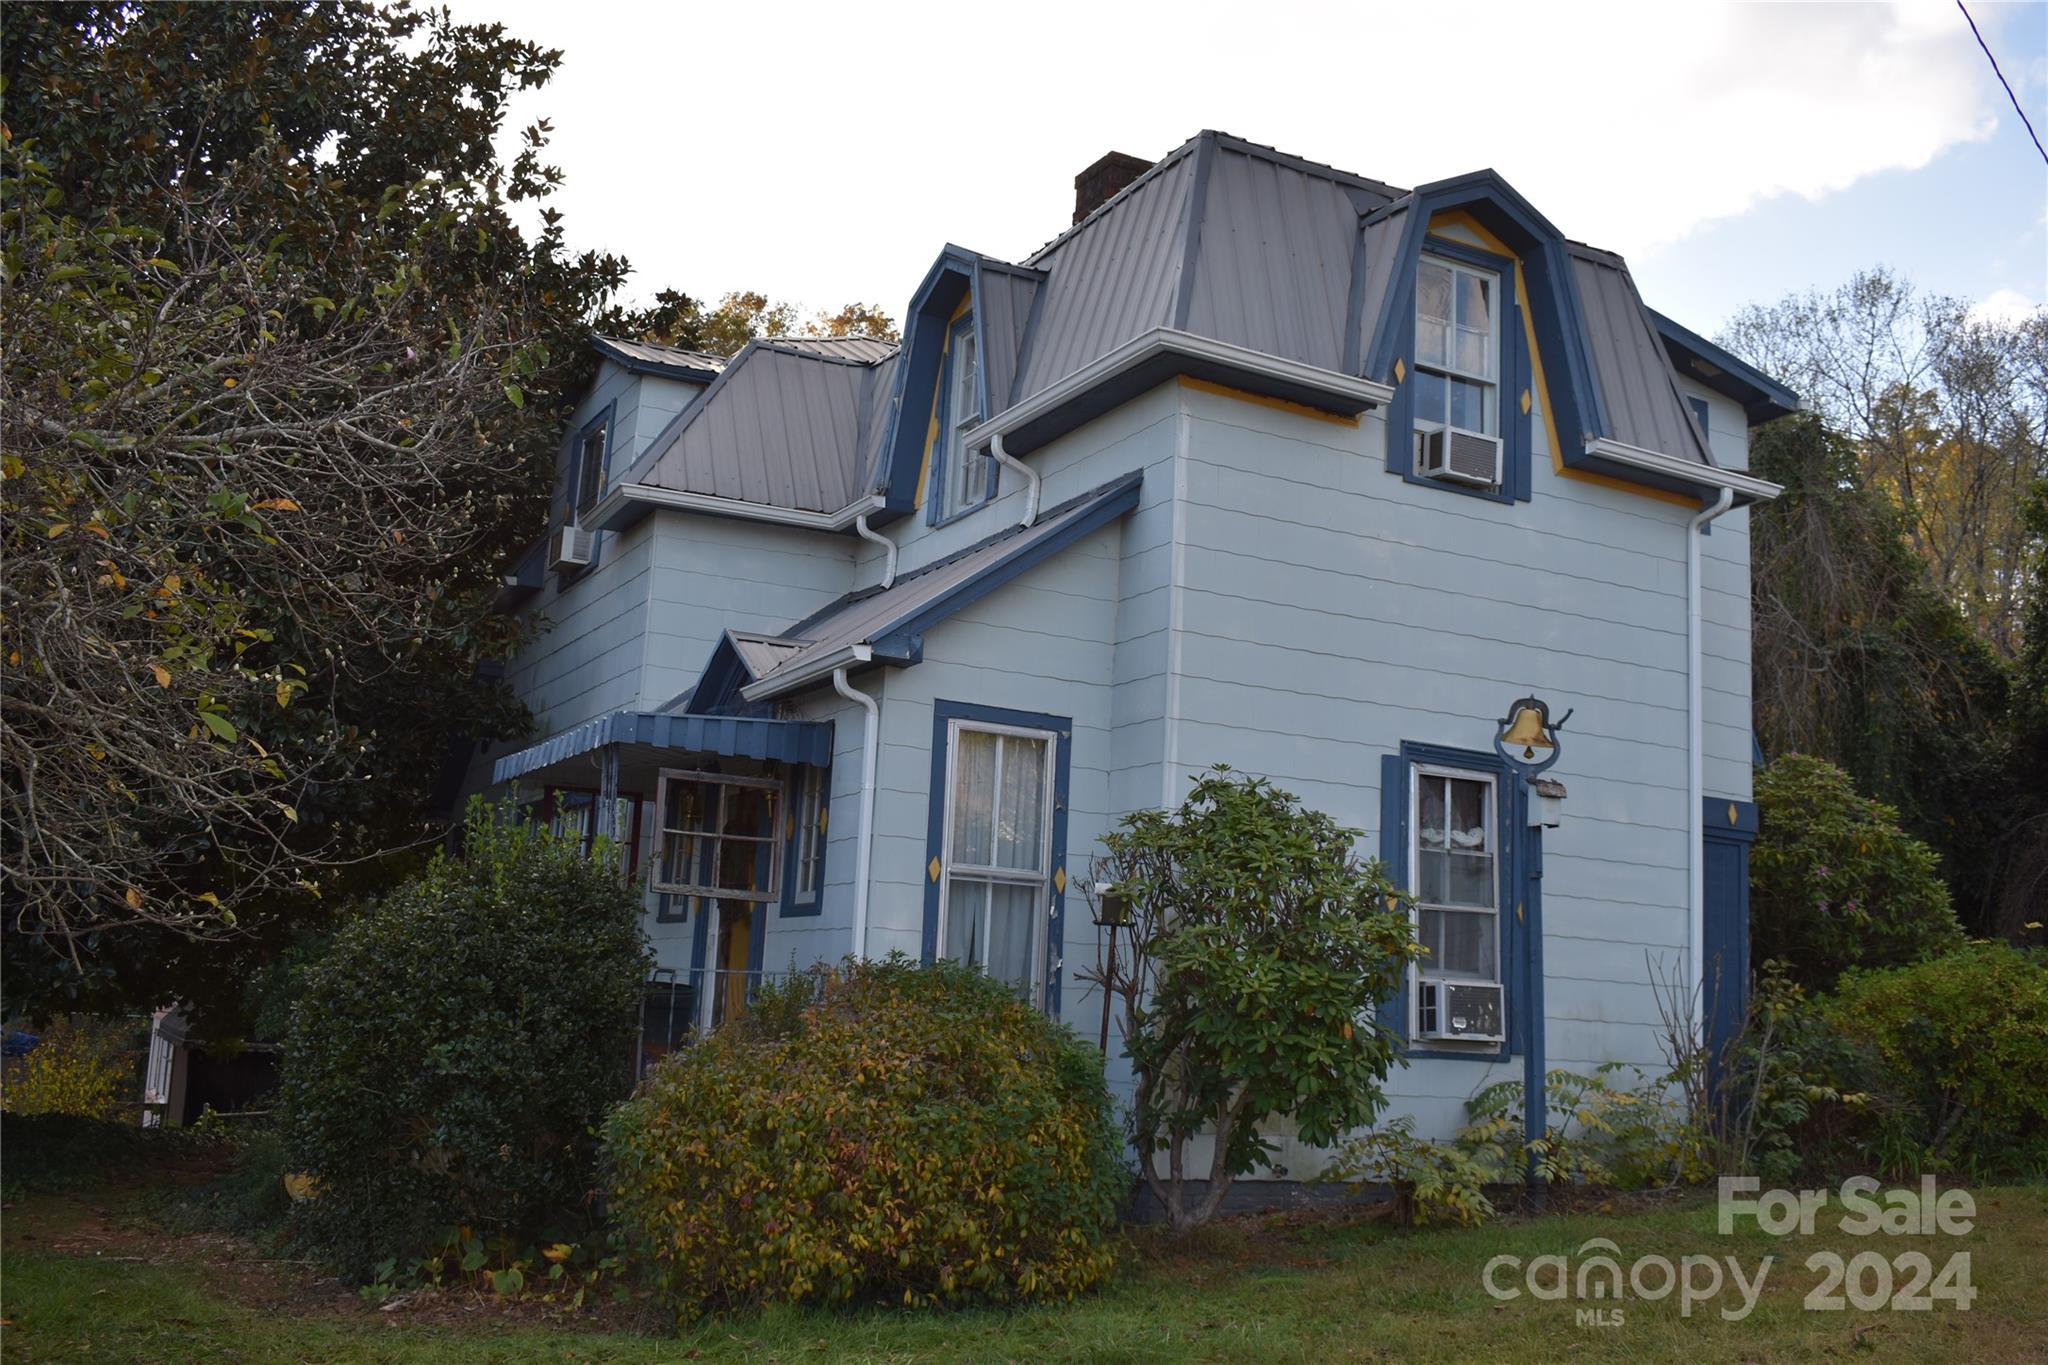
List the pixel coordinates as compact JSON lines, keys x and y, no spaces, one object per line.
{"x":790,"y":741}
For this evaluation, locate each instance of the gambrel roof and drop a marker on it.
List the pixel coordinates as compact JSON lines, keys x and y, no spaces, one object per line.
{"x":1227,"y":261}
{"x":785,"y":424}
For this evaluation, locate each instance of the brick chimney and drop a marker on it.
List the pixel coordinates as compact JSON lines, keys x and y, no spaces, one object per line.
{"x":1094,"y":186}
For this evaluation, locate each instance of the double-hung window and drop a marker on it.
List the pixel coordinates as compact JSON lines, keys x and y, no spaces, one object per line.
{"x":590,"y":472}
{"x":717,"y":836}
{"x":963,"y":478}
{"x":995,"y":863}
{"x":1456,"y":877}
{"x":807,"y":837}
{"x":1457,"y":417}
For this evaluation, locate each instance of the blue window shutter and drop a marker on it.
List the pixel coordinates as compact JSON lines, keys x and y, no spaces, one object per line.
{"x":1393,"y":1012}
{"x":794,"y":794}
{"x":1394,"y":817}
{"x":935,"y":829}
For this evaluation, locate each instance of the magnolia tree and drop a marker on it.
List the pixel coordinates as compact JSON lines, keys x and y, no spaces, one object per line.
{"x":1261,"y":948}
{"x":284,"y":379}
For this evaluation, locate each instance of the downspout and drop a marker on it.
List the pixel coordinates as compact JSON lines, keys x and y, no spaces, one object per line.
{"x":1695,"y":762}
{"x":1031,"y":478}
{"x":870,"y":748}
{"x":1535,"y":1045}
{"x":860,"y":524}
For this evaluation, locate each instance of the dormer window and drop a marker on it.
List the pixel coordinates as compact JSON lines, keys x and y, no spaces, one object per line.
{"x":1457,"y":431}
{"x":963,"y":479}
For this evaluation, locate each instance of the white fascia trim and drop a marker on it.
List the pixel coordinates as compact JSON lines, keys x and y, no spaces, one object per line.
{"x":814,"y":670}
{"x":1170,"y":341}
{"x":1705,"y":476}
{"x":647,"y":495}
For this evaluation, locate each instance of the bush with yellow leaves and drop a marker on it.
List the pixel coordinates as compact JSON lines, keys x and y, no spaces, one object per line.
{"x":82,"y":1067}
{"x":895,"y":1133}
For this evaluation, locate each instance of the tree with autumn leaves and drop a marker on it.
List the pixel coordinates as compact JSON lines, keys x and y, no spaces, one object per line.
{"x":1900,"y":583}
{"x":284,"y":381}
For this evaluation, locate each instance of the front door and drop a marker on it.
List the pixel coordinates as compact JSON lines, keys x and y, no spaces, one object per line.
{"x":735,"y":949}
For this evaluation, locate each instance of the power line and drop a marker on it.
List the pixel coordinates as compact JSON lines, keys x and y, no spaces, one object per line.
{"x":2003,"y":81}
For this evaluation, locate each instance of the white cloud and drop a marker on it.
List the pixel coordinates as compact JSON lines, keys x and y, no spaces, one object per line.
{"x":825,"y":153}
{"x":2006,"y":306}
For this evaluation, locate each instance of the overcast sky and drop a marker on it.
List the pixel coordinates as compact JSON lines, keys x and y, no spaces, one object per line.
{"x":825,"y":153}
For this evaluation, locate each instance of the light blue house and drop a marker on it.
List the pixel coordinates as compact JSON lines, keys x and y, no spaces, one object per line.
{"x":862,"y":648}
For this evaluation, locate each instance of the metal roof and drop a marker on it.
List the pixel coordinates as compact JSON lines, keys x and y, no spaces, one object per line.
{"x":1380,"y":242}
{"x":781,"y":425}
{"x":860,"y":350}
{"x":1112,"y":279}
{"x":762,"y":654}
{"x":1644,"y":405}
{"x":649,"y":357}
{"x":894,"y":618}
{"x":1222,"y":239}
{"x":877,"y":404}
{"x":791,"y":741}
{"x":1003,"y":307}
{"x":1271,"y":257}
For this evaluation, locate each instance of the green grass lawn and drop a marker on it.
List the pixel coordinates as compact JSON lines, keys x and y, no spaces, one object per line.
{"x":1275,"y":1289}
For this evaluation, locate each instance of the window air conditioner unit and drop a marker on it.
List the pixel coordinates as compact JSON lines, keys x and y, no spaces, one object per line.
{"x":1458,"y":456}
{"x":1469,"y":1011}
{"x":569,"y":548}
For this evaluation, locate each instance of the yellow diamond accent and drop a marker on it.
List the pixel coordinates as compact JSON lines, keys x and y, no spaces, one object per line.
{"x":1400,"y":371}
{"x":1732,"y":817}
{"x":1525,"y":402}
{"x":932,"y":869}
{"x":1059,"y":880}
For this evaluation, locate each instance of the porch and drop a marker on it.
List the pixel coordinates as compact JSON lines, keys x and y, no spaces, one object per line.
{"x":717,"y":819}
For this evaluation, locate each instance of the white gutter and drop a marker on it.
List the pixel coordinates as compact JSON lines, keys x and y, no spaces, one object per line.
{"x":1167,"y":341}
{"x":860,"y":524}
{"x":1695,"y":758}
{"x":1688,"y":471}
{"x":1031,"y":479}
{"x":789,"y":679}
{"x":870,"y":748}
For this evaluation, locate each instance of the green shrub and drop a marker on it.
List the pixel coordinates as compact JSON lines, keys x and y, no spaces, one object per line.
{"x":914,"y":1134}
{"x":1617,"y":1127}
{"x":451,"y":1053}
{"x":1800,"y":1101}
{"x":1433,"y":1182}
{"x":1261,"y":947}
{"x":1835,"y":883}
{"x":1964,"y":1040}
{"x":1601,"y":1129}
